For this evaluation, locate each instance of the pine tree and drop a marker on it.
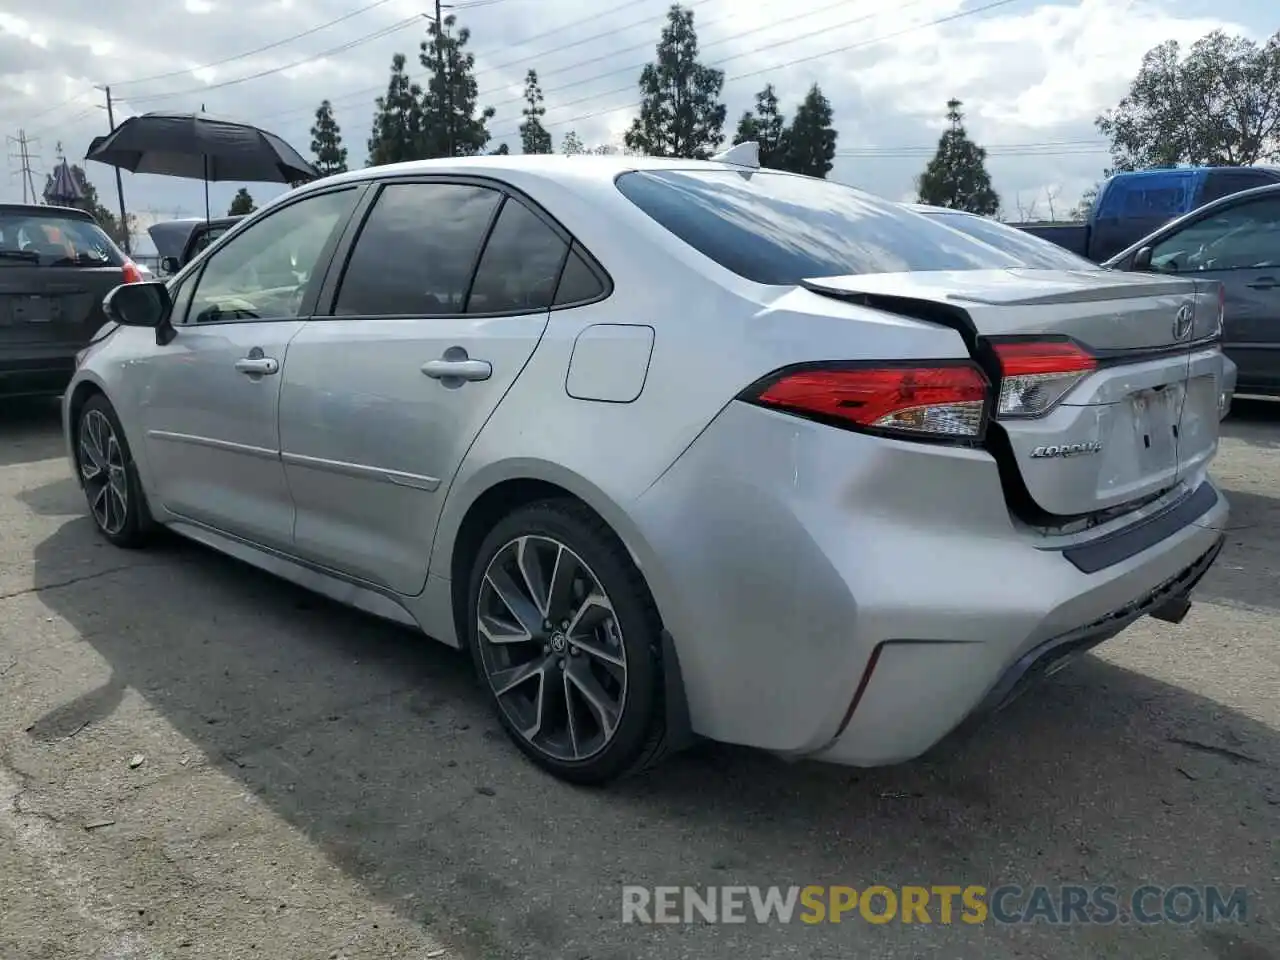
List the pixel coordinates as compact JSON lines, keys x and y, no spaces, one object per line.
{"x":767,"y":127}
{"x":326,"y":142}
{"x":241,"y":204}
{"x":534,"y":137}
{"x":681,"y":114}
{"x":957,"y":175}
{"x":451,"y":127}
{"x":811,"y":142}
{"x":571,"y":144}
{"x":502,"y":151}
{"x":397,"y":125}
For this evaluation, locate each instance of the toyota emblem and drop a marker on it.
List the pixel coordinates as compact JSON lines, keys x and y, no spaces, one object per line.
{"x":1183,"y":321}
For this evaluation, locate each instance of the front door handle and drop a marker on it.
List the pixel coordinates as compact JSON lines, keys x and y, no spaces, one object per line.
{"x":257,"y":366}
{"x":1264,"y":283}
{"x":458,"y":369}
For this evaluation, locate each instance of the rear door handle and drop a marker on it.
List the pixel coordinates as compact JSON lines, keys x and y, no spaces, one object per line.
{"x":1264,"y":283}
{"x":458,"y":369}
{"x":257,"y":366}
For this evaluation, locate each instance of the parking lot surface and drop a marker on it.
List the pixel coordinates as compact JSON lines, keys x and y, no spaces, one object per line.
{"x":197,"y":760}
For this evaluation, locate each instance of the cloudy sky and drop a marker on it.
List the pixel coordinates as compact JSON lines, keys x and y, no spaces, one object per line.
{"x":1032,"y":75}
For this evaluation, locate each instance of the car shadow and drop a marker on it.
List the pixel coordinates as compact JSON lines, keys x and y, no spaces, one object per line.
{"x":1254,"y":420}
{"x":379,"y":746}
{"x":30,"y":430}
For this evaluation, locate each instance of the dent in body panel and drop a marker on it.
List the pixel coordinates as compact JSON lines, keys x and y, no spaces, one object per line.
{"x":610,"y":362}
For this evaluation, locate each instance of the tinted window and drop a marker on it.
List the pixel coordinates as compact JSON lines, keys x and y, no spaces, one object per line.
{"x":1241,"y":237}
{"x":1225,"y":183}
{"x":263,"y":272}
{"x":780,"y":229}
{"x":1031,"y":250}
{"x":520,"y":265}
{"x":51,"y":240}
{"x":578,"y":283}
{"x":417,"y":250}
{"x":1160,"y":196}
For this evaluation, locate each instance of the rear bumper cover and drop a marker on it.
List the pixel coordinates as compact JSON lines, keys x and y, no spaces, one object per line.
{"x":45,"y":373}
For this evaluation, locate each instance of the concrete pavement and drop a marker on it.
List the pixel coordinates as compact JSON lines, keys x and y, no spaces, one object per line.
{"x":197,"y":760}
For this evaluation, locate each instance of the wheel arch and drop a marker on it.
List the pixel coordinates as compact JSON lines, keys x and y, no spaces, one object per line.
{"x":84,"y":388}
{"x":492,"y":493}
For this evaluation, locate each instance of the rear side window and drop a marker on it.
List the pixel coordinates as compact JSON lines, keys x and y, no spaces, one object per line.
{"x":520,"y":265}
{"x":55,"y":241}
{"x":780,"y":229}
{"x":1150,"y":196}
{"x":1032,"y":251}
{"x":578,"y":282}
{"x":417,"y":250}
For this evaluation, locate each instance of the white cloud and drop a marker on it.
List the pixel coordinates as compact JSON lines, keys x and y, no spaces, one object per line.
{"x":1030,"y":73}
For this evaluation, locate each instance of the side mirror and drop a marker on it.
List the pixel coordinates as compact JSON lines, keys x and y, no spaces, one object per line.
{"x":138,"y":304}
{"x":1142,"y":259}
{"x":169,"y":265}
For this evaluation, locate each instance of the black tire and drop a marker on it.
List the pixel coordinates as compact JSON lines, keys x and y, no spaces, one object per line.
{"x":137,"y":525}
{"x":639,"y":738}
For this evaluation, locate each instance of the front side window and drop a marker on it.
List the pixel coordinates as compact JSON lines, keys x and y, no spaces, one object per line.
{"x":777,"y":228}
{"x":1242,"y":237}
{"x":417,"y":250}
{"x":263,"y":273}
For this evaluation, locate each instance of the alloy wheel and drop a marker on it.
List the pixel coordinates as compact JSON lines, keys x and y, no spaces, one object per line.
{"x":103,"y":471}
{"x":551,"y":648}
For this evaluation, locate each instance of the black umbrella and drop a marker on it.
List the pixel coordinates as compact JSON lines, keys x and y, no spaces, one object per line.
{"x":201,"y":147}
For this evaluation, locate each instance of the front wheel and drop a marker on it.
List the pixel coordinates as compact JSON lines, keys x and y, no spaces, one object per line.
{"x":109,"y":476}
{"x":566,"y":637}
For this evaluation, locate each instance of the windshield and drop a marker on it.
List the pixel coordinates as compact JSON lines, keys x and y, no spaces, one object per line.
{"x":49,"y":240}
{"x":1031,"y":250}
{"x":778,"y":228}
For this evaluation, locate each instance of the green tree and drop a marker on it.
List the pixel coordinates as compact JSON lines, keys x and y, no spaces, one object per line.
{"x":767,"y":127}
{"x":1084,"y":206}
{"x":451,"y":126}
{"x":810,"y":146}
{"x":534,"y":137}
{"x":397,"y":124}
{"x":502,"y":150}
{"x":957,"y":175}
{"x":681,"y":114}
{"x":90,"y":204}
{"x":571,"y":144}
{"x":1217,"y":106}
{"x":326,"y":142}
{"x":241,"y":204}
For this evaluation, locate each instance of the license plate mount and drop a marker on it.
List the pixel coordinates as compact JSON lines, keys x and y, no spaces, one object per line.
{"x":35,"y":309}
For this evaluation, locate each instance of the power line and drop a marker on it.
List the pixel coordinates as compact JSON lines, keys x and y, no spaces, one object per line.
{"x":993,"y":4}
{"x":359,"y":41}
{"x":350,"y":97}
{"x":737,"y":36}
{"x":257,"y":50}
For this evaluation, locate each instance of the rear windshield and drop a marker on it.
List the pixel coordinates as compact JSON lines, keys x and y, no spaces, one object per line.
{"x":778,"y":228}
{"x":1033,"y":251}
{"x":54,"y":241}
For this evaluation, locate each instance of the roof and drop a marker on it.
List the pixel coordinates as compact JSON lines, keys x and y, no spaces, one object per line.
{"x":46,"y":209}
{"x":931,"y":208}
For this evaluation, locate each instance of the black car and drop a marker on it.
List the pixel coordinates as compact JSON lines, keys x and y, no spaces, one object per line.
{"x":56,"y":265}
{"x":179,"y":241}
{"x":1234,"y":240}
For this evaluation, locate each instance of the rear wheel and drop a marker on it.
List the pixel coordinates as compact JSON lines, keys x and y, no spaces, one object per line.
{"x":568,"y":641}
{"x":109,"y":476}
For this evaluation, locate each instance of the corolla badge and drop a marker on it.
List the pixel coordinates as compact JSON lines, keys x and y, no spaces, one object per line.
{"x":1068,"y":449}
{"x":1183,"y":321}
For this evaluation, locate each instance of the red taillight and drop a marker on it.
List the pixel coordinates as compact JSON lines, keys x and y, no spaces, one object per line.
{"x":1036,"y":375}
{"x":943,"y":401}
{"x":131,"y":272}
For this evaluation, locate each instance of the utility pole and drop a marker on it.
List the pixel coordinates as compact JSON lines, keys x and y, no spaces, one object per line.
{"x":444,"y":85}
{"x":23,"y":156}
{"x":124,"y":217}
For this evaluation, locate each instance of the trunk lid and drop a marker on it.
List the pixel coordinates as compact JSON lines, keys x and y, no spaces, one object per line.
{"x":52,"y":305}
{"x":1117,"y":436}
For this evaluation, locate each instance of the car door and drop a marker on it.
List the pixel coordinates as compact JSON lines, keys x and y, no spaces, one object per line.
{"x":444,"y":296}
{"x":210,"y":399}
{"x":1238,"y":245}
